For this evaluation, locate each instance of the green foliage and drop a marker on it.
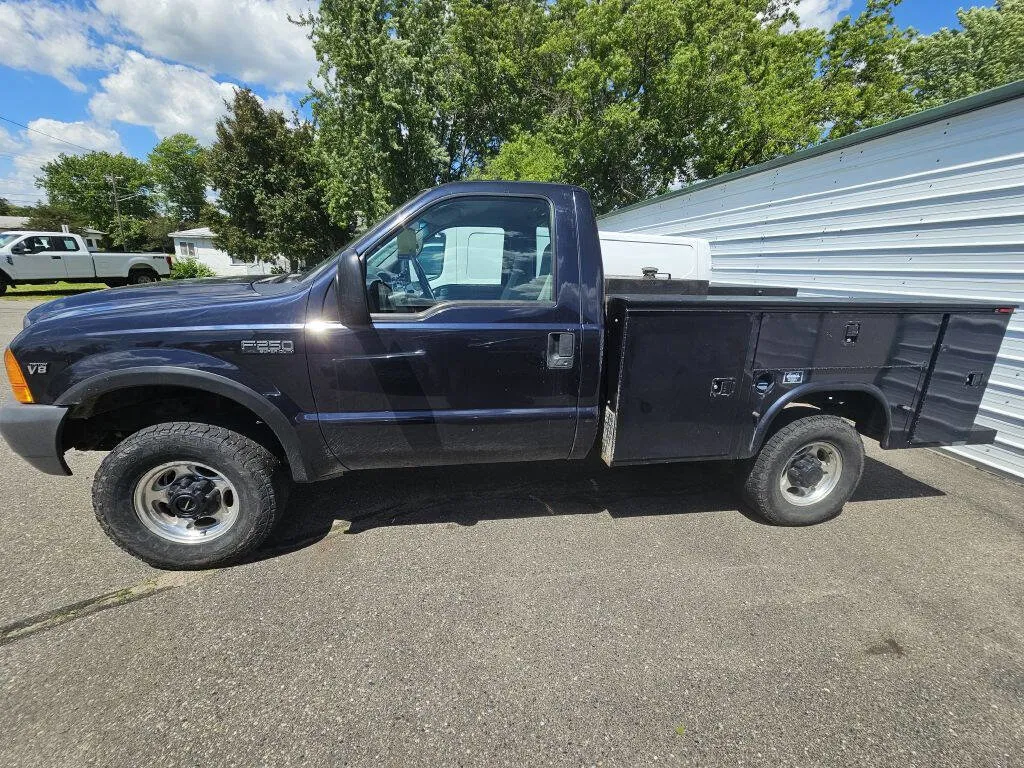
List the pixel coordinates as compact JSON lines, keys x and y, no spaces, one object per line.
{"x":623,"y":97}
{"x":50,"y":218}
{"x":7,"y":208}
{"x":528,"y":157}
{"x":84,"y":185}
{"x":953,"y":63}
{"x":412,"y":94}
{"x":178,"y":166}
{"x":186,"y":269}
{"x":862,"y":70}
{"x":270,"y":186}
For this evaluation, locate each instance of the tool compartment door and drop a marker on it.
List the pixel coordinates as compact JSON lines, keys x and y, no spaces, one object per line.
{"x":680,"y":385}
{"x":953,"y":393}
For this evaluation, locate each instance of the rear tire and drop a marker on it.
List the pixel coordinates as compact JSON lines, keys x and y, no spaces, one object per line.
{"x":142,"y":276}
{"x":141,"y":495}
{"x":805,"y":472}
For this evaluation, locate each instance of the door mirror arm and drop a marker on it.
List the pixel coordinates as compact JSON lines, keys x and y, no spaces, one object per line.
{"x":353,"y":310}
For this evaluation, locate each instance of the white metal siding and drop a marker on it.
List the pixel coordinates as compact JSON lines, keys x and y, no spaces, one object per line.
{"x":935,"y":210}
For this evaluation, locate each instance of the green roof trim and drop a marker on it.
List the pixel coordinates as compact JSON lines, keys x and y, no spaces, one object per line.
{"x":973,"y":103}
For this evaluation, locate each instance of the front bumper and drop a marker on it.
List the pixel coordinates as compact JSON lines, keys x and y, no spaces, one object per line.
{"x":33,"y":432}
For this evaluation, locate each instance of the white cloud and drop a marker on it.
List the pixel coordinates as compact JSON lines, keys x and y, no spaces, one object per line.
{"x":821,"y":13}
{"x":169,"y":98}
{"x":250,"y":40}
{"x":52,"y":40}
{"x":34,"y":148}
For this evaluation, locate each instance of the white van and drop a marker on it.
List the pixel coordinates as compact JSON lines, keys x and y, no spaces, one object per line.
{"x":446,"y":257}
{"x":626,"y":254}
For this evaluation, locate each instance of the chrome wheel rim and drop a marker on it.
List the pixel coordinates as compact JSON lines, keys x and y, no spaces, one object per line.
{"x":168,"y":502}
{"x":812,"y":473}
{"x":143,"y":279}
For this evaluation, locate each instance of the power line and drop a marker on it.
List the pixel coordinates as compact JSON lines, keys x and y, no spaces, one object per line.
{"x":47,"y":135}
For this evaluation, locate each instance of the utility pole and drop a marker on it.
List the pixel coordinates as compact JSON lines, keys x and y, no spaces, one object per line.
{"x":117,"y":206}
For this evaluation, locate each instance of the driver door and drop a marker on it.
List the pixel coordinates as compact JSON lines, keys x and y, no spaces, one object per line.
{"x":471,"y":355}
{"x":39,"y":259}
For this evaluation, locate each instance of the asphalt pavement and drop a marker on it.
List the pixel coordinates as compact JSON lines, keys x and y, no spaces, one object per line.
{"x":525,"y":615}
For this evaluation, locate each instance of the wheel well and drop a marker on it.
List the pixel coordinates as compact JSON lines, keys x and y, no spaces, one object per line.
{"x":864,"y":409}
{"x":103,"y":421}
{"x":141,"y":268}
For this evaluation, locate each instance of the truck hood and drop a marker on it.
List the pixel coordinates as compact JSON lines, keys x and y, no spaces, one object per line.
{"x":135,"y":298}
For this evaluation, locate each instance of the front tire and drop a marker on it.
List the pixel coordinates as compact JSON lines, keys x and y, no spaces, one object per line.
{"x":806,"y":471}
{"x":185,"y":495}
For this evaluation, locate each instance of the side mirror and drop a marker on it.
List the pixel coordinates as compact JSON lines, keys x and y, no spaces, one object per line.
{"x":353,"y":311}
{"x":408,"y":243}
{"x":19,"y":249}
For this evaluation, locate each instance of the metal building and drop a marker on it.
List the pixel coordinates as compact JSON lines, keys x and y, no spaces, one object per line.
{"x":928,"y":205}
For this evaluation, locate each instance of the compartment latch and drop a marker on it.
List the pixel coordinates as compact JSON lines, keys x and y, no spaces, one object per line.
{"x":723,"y":387}
{"x":851,"y":333}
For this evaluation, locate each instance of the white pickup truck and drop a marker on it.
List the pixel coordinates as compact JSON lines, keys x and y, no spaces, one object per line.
{"x":50,"y":257}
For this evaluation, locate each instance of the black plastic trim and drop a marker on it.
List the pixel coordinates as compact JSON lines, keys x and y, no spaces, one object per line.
{"x":765,"y":422}
{"x":169,"y":375}
{"x":33,"y":432}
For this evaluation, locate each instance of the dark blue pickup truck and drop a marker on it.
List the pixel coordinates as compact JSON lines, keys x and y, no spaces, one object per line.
{"x":472,"y":325}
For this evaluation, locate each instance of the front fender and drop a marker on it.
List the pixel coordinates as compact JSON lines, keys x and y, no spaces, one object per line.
{"x":269,"y":412}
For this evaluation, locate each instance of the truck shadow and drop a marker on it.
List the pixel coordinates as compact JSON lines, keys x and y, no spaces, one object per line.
{"x":465,"y":495}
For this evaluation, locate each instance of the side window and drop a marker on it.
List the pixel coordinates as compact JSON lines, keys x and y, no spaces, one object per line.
{"x":36,"y":244}
{"x":182,"y":248}
{"x":67,"y":243}
{"x":470,"y":249}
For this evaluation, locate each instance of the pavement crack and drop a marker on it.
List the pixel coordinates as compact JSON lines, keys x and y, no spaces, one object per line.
{"x":41,"y":622}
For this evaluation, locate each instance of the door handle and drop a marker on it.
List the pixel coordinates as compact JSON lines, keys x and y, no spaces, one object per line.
{"x":561,"y":350}
{"x":54,"y":256}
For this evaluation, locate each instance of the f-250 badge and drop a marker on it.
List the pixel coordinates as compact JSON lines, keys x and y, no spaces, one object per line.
{"x":268,"y":346}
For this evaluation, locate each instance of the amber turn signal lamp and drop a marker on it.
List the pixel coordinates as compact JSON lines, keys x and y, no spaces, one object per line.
{"x":18,"y":384}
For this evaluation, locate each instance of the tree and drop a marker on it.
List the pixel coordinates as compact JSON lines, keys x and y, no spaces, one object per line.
{"x":47,"y":217}
{"x":953,"y":63}
{"x":107,"y":191}
{"x":412,"y":94}
{"x":7,"y":208}
{"x":270,"y":187}
{"x":861,"y":70}
{"x":178,"y":166}
{"x":646,"y":94}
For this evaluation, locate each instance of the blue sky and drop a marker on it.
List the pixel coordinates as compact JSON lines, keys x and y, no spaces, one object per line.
{"x":119,"y":75}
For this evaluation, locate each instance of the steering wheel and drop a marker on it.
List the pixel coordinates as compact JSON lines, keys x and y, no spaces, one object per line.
{"x":426,"y":291}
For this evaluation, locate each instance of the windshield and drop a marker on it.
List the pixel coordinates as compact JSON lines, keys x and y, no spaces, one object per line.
{"x":7,"y":237}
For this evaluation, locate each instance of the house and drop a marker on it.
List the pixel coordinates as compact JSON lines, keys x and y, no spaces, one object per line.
{"x":9,"y":223}
{"x":198,"y":244}
{"x":928,"y":205}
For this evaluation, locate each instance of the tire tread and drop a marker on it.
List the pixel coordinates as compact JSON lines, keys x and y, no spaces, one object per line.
{"x":758,"y":483}
{"x":262,"y":466}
